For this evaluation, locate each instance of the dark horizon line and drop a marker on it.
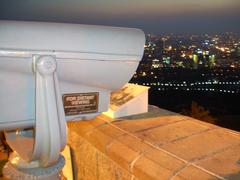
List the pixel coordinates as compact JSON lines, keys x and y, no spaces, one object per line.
{"x":194,"y":34}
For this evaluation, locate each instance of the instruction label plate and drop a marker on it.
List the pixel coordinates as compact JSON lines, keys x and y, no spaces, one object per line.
{"x":80,"y":103}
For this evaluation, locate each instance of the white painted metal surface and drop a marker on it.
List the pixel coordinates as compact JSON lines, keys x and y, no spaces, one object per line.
{"x":60,"y":37}
{"x":40,"y":65}
{"x":41,"y":62}
{"x":50,"y":124}
{"x":89,"y":59}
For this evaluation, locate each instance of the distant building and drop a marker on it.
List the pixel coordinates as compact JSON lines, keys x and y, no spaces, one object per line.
{"x":212,"y":61}
{"x":195,"y":61}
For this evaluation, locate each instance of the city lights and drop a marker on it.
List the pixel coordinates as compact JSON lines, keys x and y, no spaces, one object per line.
{"x":206,"y":63}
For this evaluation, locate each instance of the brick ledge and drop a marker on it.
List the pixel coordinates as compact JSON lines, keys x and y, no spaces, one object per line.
{"x":162,"y":145}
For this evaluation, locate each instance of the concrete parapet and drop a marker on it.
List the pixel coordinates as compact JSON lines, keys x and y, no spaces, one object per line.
{"x":156,"y":145}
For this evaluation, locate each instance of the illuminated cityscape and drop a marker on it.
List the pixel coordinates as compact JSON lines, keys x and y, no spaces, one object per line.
{"x":185,"y":68}
{"x":210,"y":63}
{"x":64,"y":112}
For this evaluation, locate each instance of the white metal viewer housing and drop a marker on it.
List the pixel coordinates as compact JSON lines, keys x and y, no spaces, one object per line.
{"x":53,"y":72}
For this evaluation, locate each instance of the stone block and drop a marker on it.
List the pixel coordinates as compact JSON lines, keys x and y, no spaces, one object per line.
{"x":200,"y":146}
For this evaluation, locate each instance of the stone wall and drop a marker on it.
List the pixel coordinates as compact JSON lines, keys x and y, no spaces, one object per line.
{"x":156,"y":145}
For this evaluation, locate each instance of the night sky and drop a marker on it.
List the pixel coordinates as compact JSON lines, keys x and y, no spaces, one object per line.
{"x":153,"y":16}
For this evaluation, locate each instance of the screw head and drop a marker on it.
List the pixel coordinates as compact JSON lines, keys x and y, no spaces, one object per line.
{"x":46,"y":65}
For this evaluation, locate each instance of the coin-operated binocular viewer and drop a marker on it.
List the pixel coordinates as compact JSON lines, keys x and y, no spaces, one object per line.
{"x":51,"y":73}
